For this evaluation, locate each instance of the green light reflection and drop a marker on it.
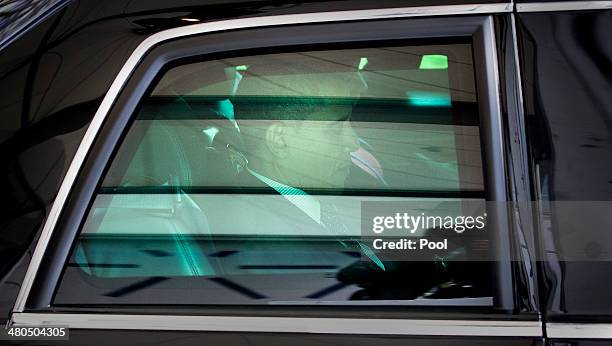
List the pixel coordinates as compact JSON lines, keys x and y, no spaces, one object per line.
{"x":434,"y":62}
{"x":428,"y":99}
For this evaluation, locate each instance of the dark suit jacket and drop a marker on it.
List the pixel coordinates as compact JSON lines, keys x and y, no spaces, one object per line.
{"x":259,"y":209}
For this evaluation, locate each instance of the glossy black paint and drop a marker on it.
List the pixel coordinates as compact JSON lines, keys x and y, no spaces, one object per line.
{"x":567,"y":79}
{"x":52,"y":79}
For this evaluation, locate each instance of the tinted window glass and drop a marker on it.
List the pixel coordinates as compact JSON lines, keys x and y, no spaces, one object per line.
{"x":241,"y":181}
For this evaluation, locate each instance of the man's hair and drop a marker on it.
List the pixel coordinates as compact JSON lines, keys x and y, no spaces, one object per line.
{"x":247,"y":109}
{"x":290,"y":93}
{"x":291,"y":108}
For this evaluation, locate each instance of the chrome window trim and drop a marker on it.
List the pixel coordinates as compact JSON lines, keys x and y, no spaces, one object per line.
{"x":373,"y":326}
{"x":579,"y":330}
{"x":210,"y":27}
{"x":563,"y":6}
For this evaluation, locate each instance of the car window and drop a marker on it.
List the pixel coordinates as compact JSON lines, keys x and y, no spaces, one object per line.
{"x":243,"y":180}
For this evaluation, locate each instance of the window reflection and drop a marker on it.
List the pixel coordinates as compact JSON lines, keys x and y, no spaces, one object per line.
{"x":241,"y":181}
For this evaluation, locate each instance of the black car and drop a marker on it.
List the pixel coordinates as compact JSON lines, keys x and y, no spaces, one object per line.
{"x":308,"y":172}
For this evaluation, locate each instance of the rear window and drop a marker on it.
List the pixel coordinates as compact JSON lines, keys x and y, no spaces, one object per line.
{"x":244,"y":180}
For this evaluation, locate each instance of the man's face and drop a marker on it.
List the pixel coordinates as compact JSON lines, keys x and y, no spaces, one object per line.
{"x":314,"y":150}
{"x":318,"y":152}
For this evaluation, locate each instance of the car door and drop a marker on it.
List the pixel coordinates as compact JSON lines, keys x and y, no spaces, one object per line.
{"x":220,"y":192}
{"x":564,"y":55}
